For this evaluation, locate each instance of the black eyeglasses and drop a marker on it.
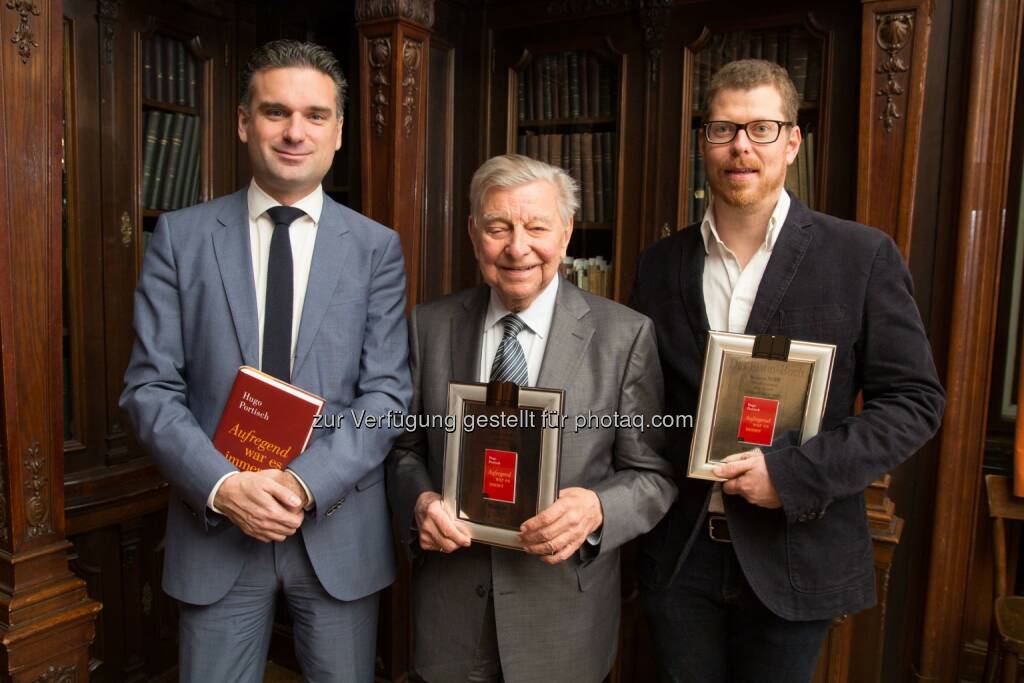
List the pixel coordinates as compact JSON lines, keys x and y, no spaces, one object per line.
{"x":758,"y":132}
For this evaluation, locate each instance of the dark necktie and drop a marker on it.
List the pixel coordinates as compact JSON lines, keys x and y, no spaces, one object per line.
{"x":510,"y":362}
{"x":277,"y":321}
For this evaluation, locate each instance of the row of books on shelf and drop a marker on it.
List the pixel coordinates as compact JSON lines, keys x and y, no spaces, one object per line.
{"x":799,"y":178}
{"x":170,"y":160}
{"x":589,"y":158}
{"x":591,"y":274}
{"x":800,"y":174}
{"x":792,"y":48}
{"x":170,"y":74}
{"x":566,"y":85}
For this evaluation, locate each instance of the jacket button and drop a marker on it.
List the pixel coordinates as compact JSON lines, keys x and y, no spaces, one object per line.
{"x":481,"y":591}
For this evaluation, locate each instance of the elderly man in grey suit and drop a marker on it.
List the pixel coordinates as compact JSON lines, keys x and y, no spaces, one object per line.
{"x":281,"y":277}
{"x":552,"y":613}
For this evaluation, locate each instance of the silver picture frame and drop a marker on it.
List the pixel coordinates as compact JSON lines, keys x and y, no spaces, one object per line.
{"x":734,"y":380}
{"x":542,"y":458}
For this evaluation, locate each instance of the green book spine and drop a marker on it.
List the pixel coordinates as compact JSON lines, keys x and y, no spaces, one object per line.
{"x":173,"y":156}
{"x":582,"y":84}
{"x":193,"y":164}
{"x":574,"y":84}
{"x":180,"y":72}
{"x":160,"y":165}
{"x":193,"y":81}
{"x":158,"y":67}
{"x":182,"y":180}
{"x":150,"y":142}
{"x":170,"y":67}
{"x":148,"y":70}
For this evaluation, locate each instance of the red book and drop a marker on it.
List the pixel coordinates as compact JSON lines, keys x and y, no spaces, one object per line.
{"x":500,"y":475}
{"x":266,"y":422}
{"x":757,"y":421}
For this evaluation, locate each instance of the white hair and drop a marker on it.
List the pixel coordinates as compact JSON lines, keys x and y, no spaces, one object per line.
{"x":513,"y":170}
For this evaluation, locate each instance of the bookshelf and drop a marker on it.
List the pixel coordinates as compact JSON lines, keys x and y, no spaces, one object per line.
{"x":801,"y":51}
{"x":171,"y":126}
{"x":566,"y":113}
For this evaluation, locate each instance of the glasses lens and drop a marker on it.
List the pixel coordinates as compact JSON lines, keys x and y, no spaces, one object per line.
{"x":721,"y":131}
{"x":763,"y":131}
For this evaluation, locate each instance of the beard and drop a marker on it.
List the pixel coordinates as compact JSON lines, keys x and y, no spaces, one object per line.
{"x":747,"y":195}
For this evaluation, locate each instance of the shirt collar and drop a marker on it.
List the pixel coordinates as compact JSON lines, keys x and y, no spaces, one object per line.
{"x":259,"y":201}
{"x":537,"y":316}
{"x":775,"y":221}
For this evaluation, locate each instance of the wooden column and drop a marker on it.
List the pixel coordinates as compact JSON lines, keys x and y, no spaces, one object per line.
{"x":894,"y":52}
{"x":394,"y":48}
{"x":46,"y":620}
{"x":983,"y":189}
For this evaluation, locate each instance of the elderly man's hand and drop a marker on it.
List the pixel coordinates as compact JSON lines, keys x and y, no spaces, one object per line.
{"x":259,"y":506}
{"x":747,"y":475}
{"x":438,"y":531}
{"x":558,"y":531}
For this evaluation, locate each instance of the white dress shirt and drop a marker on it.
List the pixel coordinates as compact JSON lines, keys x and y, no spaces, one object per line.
{"x":533,"y":338}
{"x":730,"y":289}
{"x":303,"y":237}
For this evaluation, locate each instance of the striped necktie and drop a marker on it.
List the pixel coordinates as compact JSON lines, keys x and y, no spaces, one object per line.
{"x":510,"y":362}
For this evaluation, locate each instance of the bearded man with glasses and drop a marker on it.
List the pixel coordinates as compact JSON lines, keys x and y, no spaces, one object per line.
{"x":742,"y":578}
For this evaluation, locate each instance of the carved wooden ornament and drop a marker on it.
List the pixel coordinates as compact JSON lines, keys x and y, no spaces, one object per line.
{"x":891,"y":34}
{"x":379,"y":56}
{"x":23,"y":36}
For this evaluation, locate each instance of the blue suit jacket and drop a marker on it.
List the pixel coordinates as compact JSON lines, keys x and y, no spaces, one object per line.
{"x":196,"y":323}
{"x":832,"y":281}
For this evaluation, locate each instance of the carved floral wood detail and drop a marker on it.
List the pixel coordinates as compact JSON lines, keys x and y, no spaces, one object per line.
{"x":654,"y":17}
{"x":379,"y":57}
{"x":417,"y":11}
{"x":37,"y":492}
{"x":23,"y":36}
{"x":892,"y":32}
{"x":64,"y":674}
{"x":411,"y":58}
{"x":109,"y":11}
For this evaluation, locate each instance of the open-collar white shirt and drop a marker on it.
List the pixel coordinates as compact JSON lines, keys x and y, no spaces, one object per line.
{"x":729,"y":289}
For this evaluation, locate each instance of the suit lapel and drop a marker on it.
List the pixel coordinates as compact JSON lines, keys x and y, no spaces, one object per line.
{"x":789,"y":250}
{"x":691,"y":284}
{"x":234,"y":259}
{"x":330,"y":259}
{"x":466,"y":335}
{"x":568,"y":338}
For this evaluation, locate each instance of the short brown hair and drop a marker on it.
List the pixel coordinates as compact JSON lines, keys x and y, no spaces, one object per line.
{"x":747,"y":74}
{"x":281,"y":54}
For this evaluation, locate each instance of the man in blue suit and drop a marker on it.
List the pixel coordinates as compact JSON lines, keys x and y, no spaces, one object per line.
{"x":281,"y":277}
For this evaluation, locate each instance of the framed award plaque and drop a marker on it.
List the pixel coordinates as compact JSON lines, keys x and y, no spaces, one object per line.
{"x":755,"y":392}
{"x":501,"y":461}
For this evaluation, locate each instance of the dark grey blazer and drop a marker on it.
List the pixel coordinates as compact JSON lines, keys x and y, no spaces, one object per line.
{"x":828,"y":280}
{"x":554,"y":623}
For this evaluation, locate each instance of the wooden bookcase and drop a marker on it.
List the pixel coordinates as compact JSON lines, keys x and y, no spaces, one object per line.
{"x":114,"y":498}
{"x":567,"y":114}
{"x":172,"y":122}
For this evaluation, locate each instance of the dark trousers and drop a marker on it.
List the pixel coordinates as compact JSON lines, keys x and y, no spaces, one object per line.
{"x":710,"y":627}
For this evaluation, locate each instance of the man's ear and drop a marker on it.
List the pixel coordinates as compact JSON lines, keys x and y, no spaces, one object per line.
{"x":243,"y":122}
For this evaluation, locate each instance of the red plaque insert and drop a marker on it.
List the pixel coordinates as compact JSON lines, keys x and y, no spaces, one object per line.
{"x":757,"y":421}
{"x":500,"y":475}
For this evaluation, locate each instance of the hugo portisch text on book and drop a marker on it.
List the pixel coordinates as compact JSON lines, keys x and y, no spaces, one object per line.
{"x":266,"y":423}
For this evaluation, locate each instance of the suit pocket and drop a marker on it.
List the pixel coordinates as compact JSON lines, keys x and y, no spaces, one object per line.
{"x":372,"y":479}
{"x":831,"y":553}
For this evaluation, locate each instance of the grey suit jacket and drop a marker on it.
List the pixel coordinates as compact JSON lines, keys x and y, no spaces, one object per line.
{"x":554,"y":623}
{"x":196,"y":323}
